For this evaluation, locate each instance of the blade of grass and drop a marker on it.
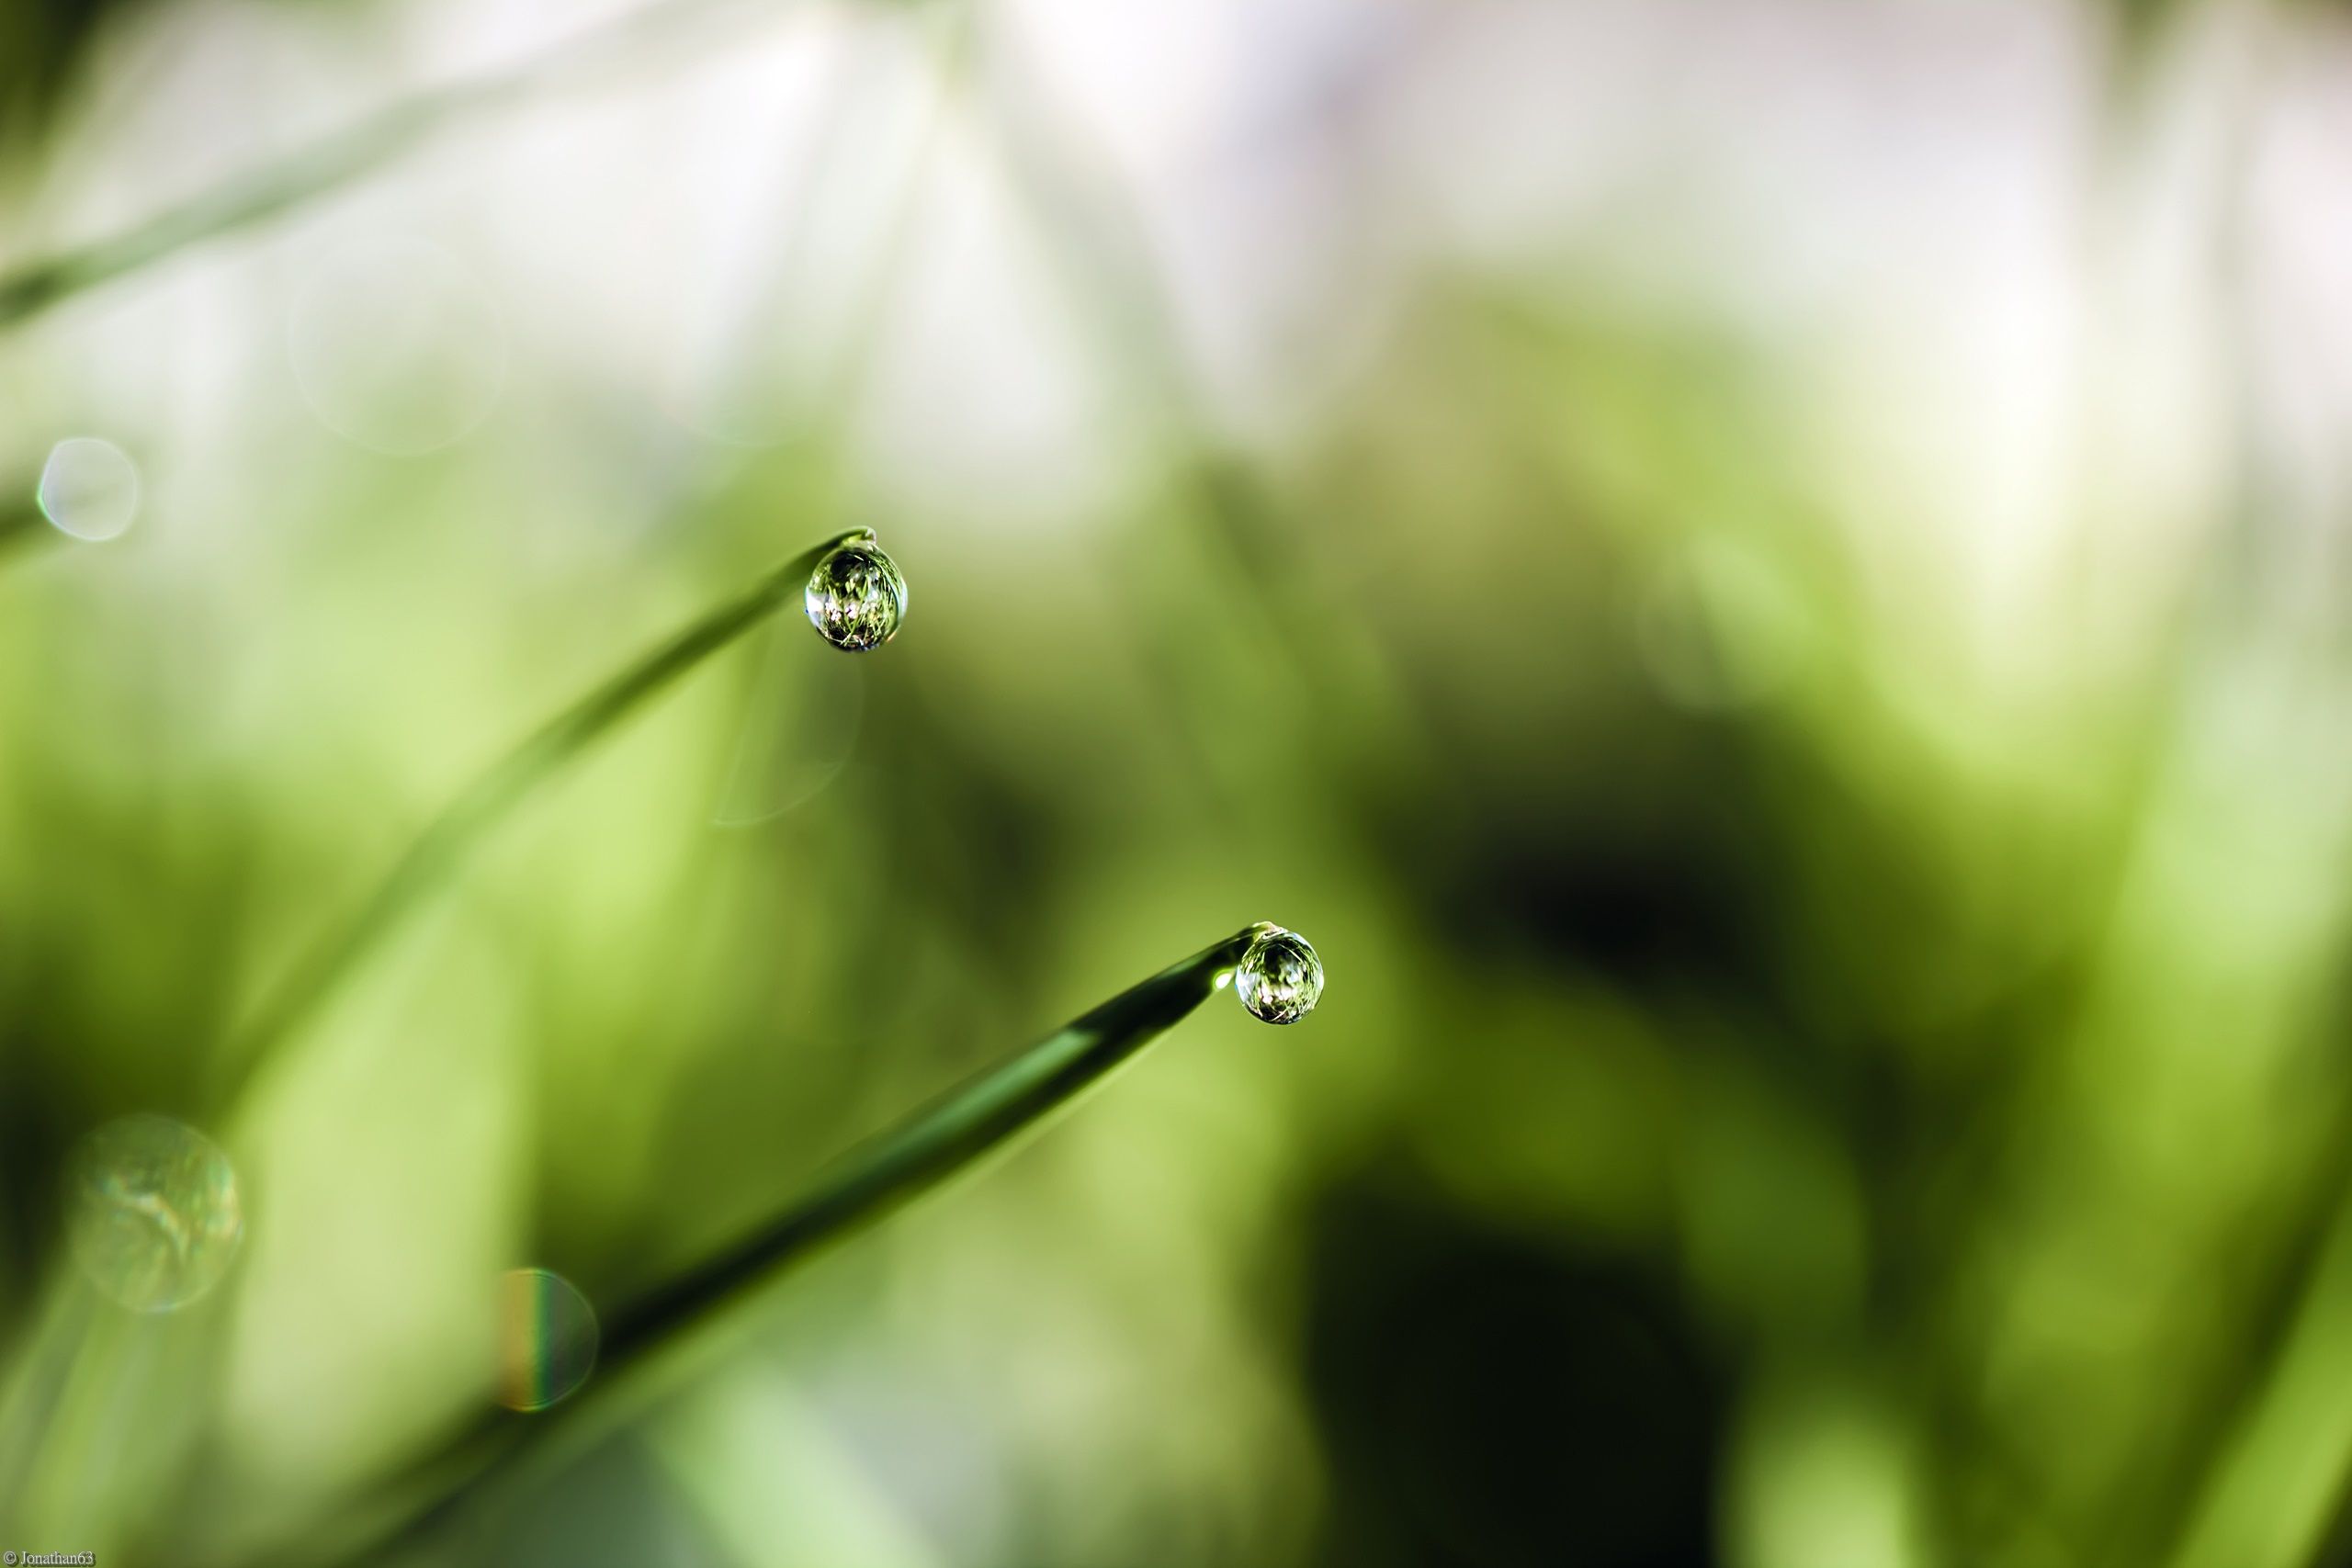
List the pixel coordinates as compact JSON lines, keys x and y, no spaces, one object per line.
{"x":934,"y":1143}
{"x":261,"y":194}
{"x":467,"y":820}
{"x":2278,"y":1475}
{"x":944,"y":1139}
{"x":472,"y":814}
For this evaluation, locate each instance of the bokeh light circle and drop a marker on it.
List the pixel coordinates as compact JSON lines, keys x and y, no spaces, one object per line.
{"x":89,"y":489}
{"x":547,"y":1338}
{"x":153,"y":1214}
{"x":396,"y":346}
{"x":799,"y":731}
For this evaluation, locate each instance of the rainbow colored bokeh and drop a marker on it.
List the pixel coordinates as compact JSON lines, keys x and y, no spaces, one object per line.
{"x":547,"y":1338}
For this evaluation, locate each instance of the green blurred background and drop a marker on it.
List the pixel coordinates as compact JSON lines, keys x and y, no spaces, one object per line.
{"x":1765,"y":578}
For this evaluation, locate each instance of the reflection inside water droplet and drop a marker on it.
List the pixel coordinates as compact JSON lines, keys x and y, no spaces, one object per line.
{"x":856,"y":597}
{"x":1281,"y":979}
{"x":89,"y":488}
{"x":153,"y":1212}
{"x":547,"y":1338}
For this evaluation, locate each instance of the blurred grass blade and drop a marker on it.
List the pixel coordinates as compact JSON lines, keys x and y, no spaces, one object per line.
{"x":328,"y":165}
{"x":936,"y":1141}
{"x":445,"y":844}
{"x":943,"y":1139}
{"x":2280,"y":1481}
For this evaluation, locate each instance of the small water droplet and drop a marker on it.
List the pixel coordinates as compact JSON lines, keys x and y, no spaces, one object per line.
{"x":1280,"y":979}
{"x":547,"y":1338}
{"x":856,"y":597}
{"x":152,"y":1215}
{"x":88,"y":489}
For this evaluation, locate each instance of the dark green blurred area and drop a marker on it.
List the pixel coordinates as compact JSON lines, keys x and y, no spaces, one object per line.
{"x":40,"y":44}
{"x":1795,"y":690}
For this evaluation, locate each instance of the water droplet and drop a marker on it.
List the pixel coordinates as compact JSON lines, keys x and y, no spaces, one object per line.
{"x":152,"y":1215}
{"x":856,"y":597}
{"x":1280,"y":979}
{"x":547,"y":1338}
{"x":89,"y":488}
{"x":395,"y":345}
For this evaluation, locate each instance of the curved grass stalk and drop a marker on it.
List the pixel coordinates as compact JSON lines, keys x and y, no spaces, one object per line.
{"x":936,"y":1141}
{"x":326,"y":166}
{"x":944,"y":1139}
{"x":465,"y":821}
{"x":2272,"y":1491}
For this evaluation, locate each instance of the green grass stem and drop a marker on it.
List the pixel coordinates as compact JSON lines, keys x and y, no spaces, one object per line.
{"x":946,"y":1138}
{"x":452,"y":837}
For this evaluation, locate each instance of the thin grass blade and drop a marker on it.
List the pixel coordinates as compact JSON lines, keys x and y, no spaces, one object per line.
{"x":936,"y":1142}
{"x":355,"y":152}
{"x":944,"y":1139}
{"x":445,"y":845}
